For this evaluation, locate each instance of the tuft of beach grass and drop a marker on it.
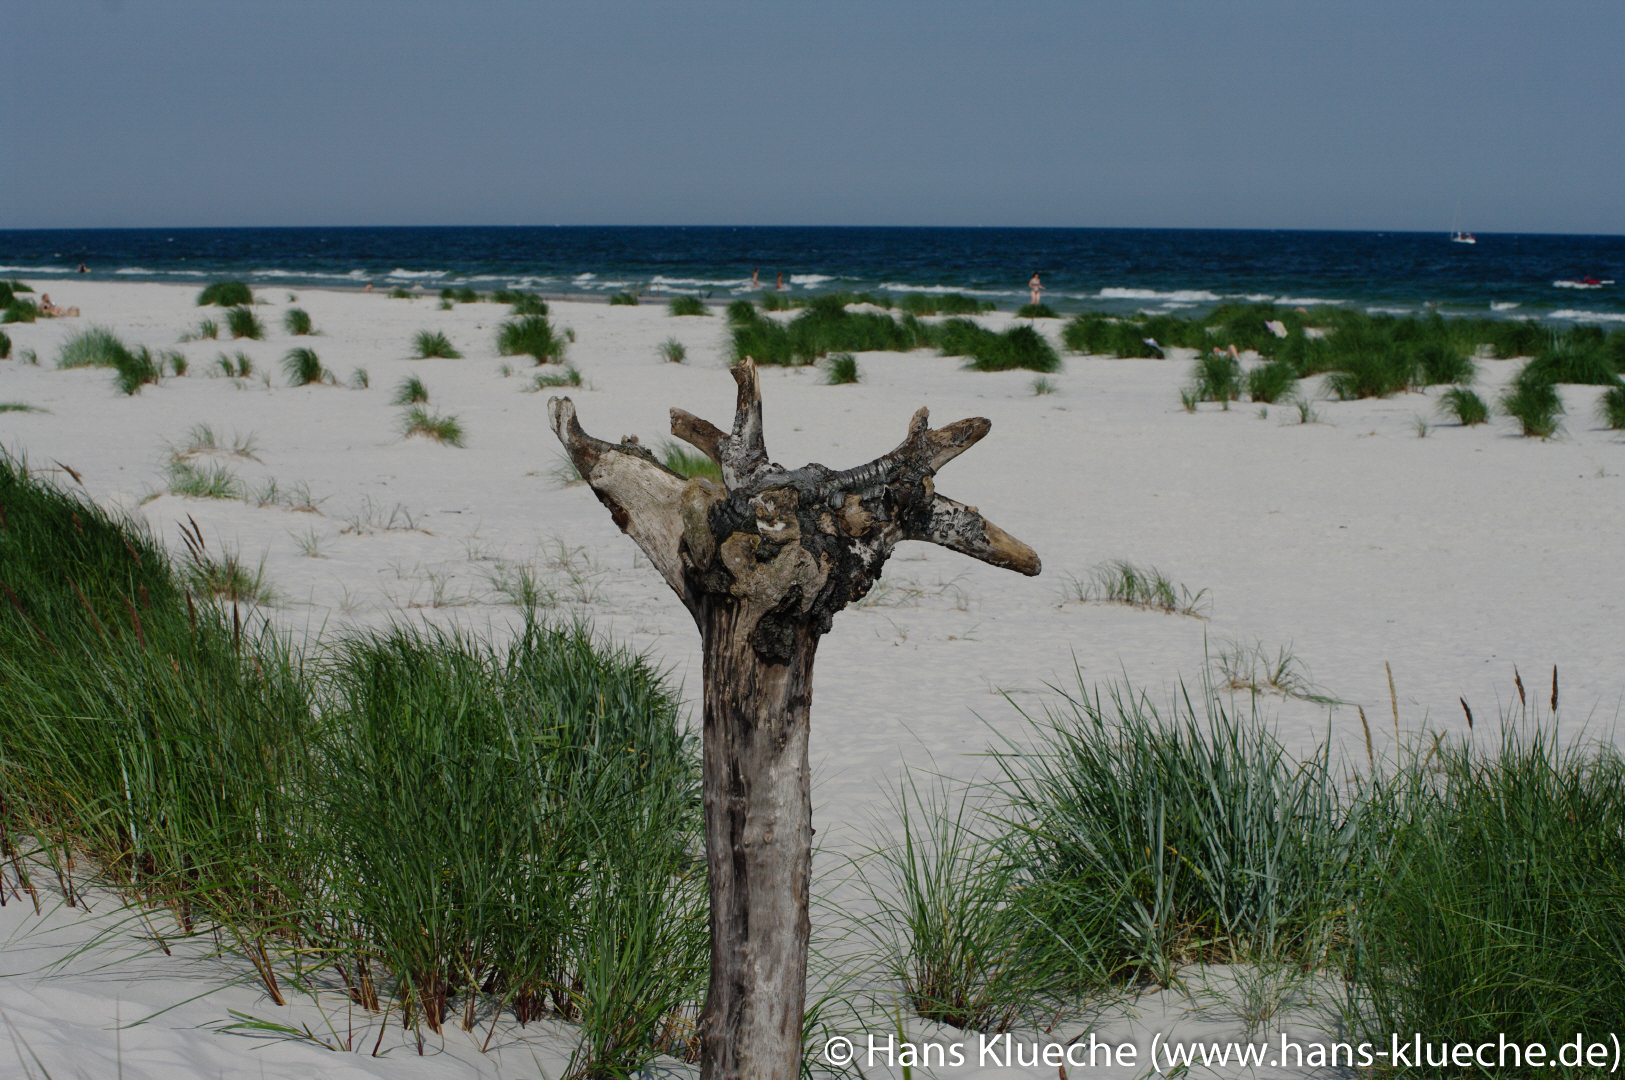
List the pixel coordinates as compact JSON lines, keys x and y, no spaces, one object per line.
{"x":296,"y":321}
{"x":411,"y":391}
{"x":432,"y":343}
{"x":418,"y":421}
{"x":243,"y":323}
{"x":533,"y":336}
{"x":225,"y":294}
{"x":303,"y":367}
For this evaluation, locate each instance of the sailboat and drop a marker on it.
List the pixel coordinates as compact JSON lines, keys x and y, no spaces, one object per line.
{"x":1456,"y":235}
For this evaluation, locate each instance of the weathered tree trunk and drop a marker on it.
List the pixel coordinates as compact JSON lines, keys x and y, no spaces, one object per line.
{"x":763,"y":562}
{"x":758,"y":829}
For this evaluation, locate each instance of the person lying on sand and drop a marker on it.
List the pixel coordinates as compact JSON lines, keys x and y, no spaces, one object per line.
{"x":50,"y":309}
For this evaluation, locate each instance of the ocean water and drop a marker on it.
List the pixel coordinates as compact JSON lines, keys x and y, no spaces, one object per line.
{"x":1114,"y":270}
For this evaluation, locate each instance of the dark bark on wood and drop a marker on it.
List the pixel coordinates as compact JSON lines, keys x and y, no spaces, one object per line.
{"x":763,"y":562}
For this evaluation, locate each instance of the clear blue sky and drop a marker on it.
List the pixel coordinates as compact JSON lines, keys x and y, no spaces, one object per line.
{"x":1350,"y":115}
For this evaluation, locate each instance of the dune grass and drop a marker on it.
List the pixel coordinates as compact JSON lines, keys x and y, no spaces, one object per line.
{"x":1574,"y":358}
{"x":1016,"y":347}
{"x":243,"y":323}
{"x":840,"y":369}
{"x":296,"y":321}
{"x":94,"y":346}
{"x":303,"y":367}
{"x":625,"y":299}
{"x":359,"y":379}
{"x":433,"y":343}
{"x":225,"y":294}
{"x":1494,"y":900}
{"x":202,"y":439}
{"x":1611,"y":407}
{"x":687,"y":305}
{"x":533,"y":336}
{"x":19,"y":310}
{"x":454,"y":828}
{"x":523,"y":303}
{"x":1271,"y":382}
{"x":548,"y":380}
{"x":1533,"y":401}
{"x":240,"y":366}
{"x":136,"y":368}
{"x":1151,"y":838}
{"x":1036,"y":311}
{"x":18,"y":407}
{"x":410,"y":392}
{"x":1466,"y":407}
{"x":924,"y":304}
{"x":824,"y":327}
{"x":672,"y":351}
{"x":686,"y":462}
{"x":1119,"y":581}
{"x":1042,"y":386}
{"x":211,"y":480}
{"x":207,"y":329}
{"x":442,"y":429}
{"x":946,"y":931}
{"x":5,"y":345}
{"x":400,"y":292}
{"x":1216,"y":376}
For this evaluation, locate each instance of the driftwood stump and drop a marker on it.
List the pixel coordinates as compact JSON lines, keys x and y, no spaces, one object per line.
{"x":763,"y":561}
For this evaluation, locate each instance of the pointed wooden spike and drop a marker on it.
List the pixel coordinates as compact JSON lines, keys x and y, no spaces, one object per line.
{"x":583,"y":449}
{"x":746,"y":451}
{"x":946,"y":443}
{"x":960,"y":528}
{"x":703,"y":435}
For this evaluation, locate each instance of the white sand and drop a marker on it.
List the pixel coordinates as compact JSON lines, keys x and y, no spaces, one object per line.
{"x":1352,"y":541}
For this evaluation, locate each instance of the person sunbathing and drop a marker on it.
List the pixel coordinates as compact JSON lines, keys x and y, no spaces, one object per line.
{"x":53,"y":311}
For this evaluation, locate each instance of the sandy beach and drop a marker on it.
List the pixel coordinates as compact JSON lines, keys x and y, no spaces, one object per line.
{"x":1380,"y":538}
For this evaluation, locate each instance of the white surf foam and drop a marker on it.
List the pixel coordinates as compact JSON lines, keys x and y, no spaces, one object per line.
{"x":1503,"y":305}
{"x":1187,"y":296}
{"x":35,"y":270}
{"x":943,"y":290}
{"x":703,"y":283}
{"x":1587,"y":316}
{"x":809,"y":280}
{"x":414,"y":275}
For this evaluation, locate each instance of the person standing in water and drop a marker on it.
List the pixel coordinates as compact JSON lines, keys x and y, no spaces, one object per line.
{"x":1036,"y":287}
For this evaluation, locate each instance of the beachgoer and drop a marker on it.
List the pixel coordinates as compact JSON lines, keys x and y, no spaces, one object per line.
{"x":780,"y":284}
{"x":1233,"y":354}
{"x":46,"y":307}
{"x":367,"y":287}
{"x":754,"y":283}
{"x":83,"y":269}
{"x":1153,"y":343}
{"x":1036,"y":286}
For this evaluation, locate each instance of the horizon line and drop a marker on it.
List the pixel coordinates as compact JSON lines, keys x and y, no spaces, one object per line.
{"x":988,"y":228}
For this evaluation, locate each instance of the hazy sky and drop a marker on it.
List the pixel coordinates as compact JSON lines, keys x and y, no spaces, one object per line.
{"x":1350,"y":115}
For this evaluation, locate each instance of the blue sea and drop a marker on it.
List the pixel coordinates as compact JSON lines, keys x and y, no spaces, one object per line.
{"x":1114,"y":270}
